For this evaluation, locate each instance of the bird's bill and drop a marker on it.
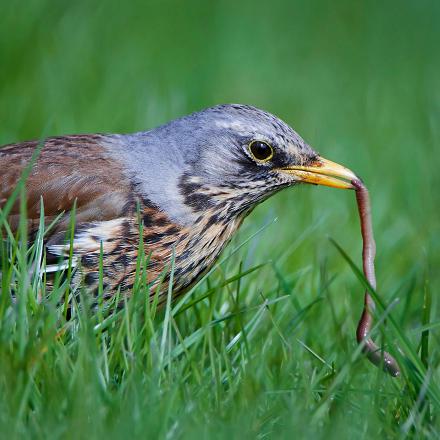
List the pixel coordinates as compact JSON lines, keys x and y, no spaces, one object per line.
{"x":323,"y":172}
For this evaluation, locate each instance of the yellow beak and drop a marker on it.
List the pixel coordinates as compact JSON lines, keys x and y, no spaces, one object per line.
{"x":323,"y":172}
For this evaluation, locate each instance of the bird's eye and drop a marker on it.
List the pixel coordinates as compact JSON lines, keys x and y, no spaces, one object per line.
{"x":261,"y":151}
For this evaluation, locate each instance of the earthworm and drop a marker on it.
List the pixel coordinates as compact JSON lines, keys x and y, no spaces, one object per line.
{"x":374,"y":353}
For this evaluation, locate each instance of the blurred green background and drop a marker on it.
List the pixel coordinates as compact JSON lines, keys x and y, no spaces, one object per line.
{"x":359,"y":80}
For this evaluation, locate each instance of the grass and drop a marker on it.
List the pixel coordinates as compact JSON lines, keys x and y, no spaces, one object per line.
{"x":264,"y":346}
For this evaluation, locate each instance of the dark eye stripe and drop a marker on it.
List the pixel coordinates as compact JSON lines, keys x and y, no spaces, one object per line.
{"x":261,"y":151}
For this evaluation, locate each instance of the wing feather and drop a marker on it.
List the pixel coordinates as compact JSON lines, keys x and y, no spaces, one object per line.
{"x":68,"y":169}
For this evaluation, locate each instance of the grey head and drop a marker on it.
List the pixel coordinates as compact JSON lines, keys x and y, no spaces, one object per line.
{"x":228,"y":157}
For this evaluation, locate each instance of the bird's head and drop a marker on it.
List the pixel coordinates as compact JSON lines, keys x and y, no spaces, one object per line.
{"x":241,"y":155}
{"x":228,"y":157}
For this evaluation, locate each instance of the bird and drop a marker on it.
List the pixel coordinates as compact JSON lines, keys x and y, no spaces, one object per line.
{"x":175,"y":194}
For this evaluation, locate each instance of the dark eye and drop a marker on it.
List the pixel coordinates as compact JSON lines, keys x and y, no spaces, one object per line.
{"x":261,"y":151}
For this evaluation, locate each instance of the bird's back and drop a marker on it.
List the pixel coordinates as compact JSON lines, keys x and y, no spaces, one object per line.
{"x":67,"y":170}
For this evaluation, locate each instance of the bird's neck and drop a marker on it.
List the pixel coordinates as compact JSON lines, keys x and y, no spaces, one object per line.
{"x":220,"y":203}
{"x":195,"y":247}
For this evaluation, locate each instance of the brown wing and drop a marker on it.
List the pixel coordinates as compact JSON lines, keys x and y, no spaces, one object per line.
{"x":67,"y":169}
